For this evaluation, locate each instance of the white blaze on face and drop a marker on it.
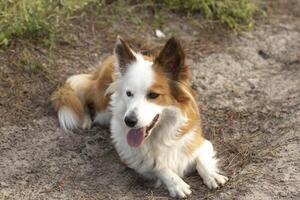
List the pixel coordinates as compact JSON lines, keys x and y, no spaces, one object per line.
{"x":138,"y":79}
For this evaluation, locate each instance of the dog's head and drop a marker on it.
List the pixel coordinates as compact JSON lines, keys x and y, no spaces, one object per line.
{"x":148,"y":86}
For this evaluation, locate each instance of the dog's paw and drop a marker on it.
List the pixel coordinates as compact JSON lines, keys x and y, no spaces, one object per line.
{"x":86,"y":123}
{"x":215,"y":180}
{"x":180,"y":189}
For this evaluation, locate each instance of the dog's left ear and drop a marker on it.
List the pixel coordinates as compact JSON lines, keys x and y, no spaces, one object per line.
{"x":124,"y":55}
{"x":172,"y":59}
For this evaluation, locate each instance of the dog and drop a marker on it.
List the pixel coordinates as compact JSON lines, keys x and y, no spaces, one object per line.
{"x":152,"y":112}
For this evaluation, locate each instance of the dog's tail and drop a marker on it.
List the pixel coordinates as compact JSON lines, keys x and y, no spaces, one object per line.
{"x":69,"y":106}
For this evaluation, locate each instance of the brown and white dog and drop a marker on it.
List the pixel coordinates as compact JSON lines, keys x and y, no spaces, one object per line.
{"x":153,"y":116}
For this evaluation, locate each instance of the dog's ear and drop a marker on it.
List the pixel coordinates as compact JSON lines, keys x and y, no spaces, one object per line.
{"x":124,"y":55}
{"x":172,"y":60}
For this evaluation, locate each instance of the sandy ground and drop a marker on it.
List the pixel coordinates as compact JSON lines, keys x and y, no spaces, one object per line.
{"x":249,"y":94}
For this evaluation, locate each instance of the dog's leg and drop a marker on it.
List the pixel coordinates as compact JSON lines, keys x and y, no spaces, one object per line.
{"x":176,"y":186}
{"x":206,"y":165}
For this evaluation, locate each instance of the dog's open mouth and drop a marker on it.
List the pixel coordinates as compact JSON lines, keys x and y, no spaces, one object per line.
{"x":136,"y":136}
{"x":152,"y":125}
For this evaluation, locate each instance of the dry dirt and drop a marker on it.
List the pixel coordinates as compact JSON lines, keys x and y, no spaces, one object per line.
{"x":249,"y":91}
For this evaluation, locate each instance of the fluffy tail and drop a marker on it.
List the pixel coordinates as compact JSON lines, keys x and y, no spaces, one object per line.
{"x":69,"y":107}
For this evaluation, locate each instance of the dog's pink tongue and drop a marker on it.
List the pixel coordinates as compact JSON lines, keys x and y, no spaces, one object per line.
{"x":135,"y":137}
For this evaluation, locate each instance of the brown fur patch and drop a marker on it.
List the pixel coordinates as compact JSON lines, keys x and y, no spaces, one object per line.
{"x":91,"y":92}
{"x":172,"y":82}
{"x":103,"y":78}
{"x":196,"y":142}
{"x":66,"y":96}
{"x":148,"y":58}
{"x":181,"y":95}
{"x":162,"y":87}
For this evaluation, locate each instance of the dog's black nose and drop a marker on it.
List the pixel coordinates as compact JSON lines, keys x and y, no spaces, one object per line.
{"x":130,"y":120}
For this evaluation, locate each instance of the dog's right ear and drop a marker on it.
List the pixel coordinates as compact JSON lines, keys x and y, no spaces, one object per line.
{"x":172,"y":60}
{"x":124,"y":55}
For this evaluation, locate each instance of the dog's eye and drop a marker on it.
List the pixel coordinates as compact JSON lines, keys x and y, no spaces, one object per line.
{"x":129,"y":94}
{"x":152,"y":95}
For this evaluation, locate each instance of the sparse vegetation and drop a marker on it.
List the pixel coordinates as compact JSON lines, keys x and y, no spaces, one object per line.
{"x":28,"y":63}
{"x":45,"y":18}
{"x":38,"y":18}
{"x":237,"y":14}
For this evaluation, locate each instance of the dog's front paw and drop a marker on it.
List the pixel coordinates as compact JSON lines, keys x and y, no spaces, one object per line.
{"x":86,"y":123}
{"x":180,"y":189}
{"x":215,"y":180}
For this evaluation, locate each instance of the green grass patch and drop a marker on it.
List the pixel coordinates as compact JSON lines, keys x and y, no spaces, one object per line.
{"x":45,"y":19}
{"x":36,"y":18}
{"x":236,"y":14}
